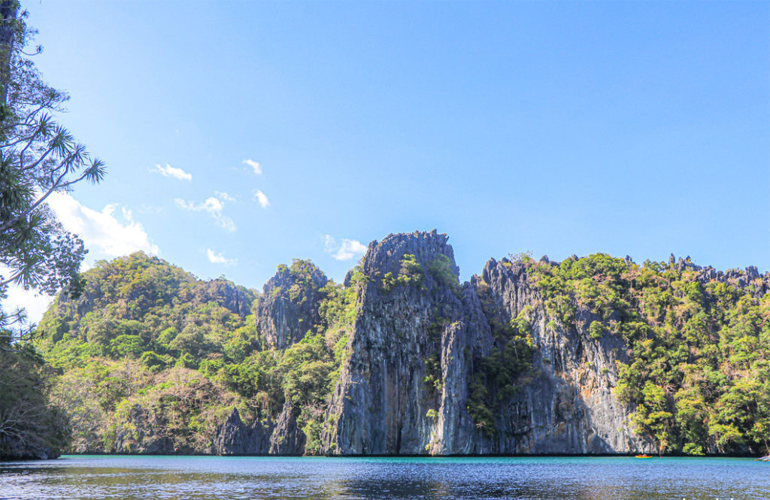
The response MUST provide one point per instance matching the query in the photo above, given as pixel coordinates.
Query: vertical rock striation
(289, 305)
(233, 437)
(404, 387)
(380, 404)
(416, 346)
(566, 404)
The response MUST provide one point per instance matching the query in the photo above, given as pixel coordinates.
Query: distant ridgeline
(591, 355)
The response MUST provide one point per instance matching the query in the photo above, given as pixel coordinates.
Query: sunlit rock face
(402, 360)
(404, 389)
(288, 308)
(565, 403)
(282, 437)
(233, 437)
(382, 403)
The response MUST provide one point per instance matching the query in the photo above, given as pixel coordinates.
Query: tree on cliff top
(38, 156)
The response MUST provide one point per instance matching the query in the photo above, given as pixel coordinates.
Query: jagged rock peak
(300, 270)
(288, 307)
(235, 298)
(233, 437)
(385, 256)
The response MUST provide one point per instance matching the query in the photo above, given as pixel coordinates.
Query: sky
(241, 135)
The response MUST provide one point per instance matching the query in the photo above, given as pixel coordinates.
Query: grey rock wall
(566, 406)
(233, 437)
(288, 307)
(410, 334)
(282, 437)
(382, 405)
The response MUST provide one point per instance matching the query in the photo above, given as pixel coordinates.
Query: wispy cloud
(213, 207)
(254, 165)
(169, 171)
(224, 196)
(218, 258)
(261, 198)
(345, 250)
(102, 231)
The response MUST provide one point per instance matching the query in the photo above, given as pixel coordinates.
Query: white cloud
(169, 171)
(261, 198)
(102, 233)
(35, 303)
(330, 244)
(254, 165)
(101, 230)
(214, 207)
(218, 258)
(224, 196)
(346, 250)
(350, 249)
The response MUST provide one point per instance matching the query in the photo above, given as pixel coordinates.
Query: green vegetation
(149, 359)
(442, 270)
(496, 377)
(150, 356)
(699, 370)
(411, 273)
(433, 378)
(29, 427)
(38, 157)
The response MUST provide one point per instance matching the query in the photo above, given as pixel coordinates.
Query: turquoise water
(225, 478)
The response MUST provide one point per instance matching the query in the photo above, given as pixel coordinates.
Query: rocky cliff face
(566, 404)
(236, 299)
(404, 330)
(282, 437)
(289, 305)
(417, 346)
(233, 437)
(526, 358)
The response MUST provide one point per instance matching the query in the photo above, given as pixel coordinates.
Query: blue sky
(632, 128)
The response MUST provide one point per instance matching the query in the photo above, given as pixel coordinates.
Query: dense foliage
(37, 158)
(150, 358)
(698, 370)
(410, 273)
(29, 428)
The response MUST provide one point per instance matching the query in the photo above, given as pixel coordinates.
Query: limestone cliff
(288, 307)
(593, 355)
(566, 404)
(384, 405)
(381, 403)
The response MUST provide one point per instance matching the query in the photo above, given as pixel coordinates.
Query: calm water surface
(225, 478)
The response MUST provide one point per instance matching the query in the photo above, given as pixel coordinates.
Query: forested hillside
(151, 359)
(590, 355)
(698, 369)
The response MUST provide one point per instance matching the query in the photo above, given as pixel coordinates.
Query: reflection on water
(225, 478)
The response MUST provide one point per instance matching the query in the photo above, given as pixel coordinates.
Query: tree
(38, 157)
(29, 427)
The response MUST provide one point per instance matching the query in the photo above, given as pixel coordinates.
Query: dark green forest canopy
(149, 349)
